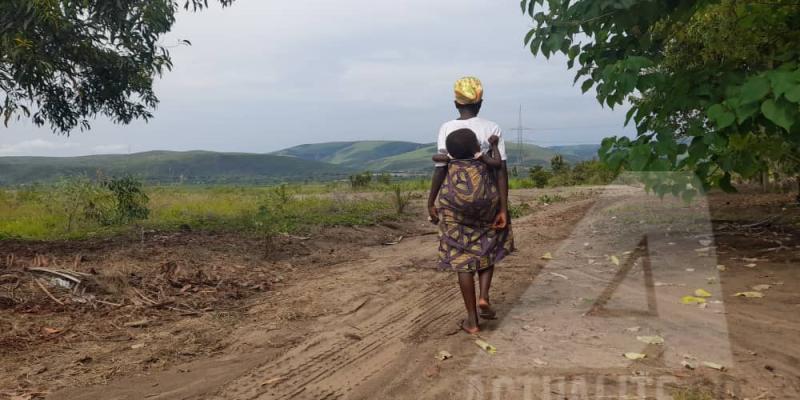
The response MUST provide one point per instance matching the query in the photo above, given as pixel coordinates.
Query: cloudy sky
(268, 74)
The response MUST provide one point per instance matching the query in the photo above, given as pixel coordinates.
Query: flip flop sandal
(486, 312)
(461, 326)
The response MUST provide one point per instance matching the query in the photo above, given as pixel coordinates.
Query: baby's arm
(492, 159)
(441, 158)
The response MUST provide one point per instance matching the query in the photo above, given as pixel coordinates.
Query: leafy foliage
(539, 176)
(130, 200)
(64, 62)
(714, 85)
(400, 199)
(362, 180)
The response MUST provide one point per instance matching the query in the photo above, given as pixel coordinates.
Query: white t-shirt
(483, 130)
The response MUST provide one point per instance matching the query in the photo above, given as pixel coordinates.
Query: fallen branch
(47, 292)
(108, 303)
(68, 275)
(759, 223)
(145, 298)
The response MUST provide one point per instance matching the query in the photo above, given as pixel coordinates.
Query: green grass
(30, 213)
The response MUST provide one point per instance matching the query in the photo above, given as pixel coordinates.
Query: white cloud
(262, 75)
(35, 147)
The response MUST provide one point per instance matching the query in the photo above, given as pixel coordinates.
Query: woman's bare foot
(469, 328)
(486, 309)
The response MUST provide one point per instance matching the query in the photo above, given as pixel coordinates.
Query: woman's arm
(439, 173)
(441, 158)
(501, 220)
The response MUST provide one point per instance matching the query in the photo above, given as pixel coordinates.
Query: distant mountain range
(321, 161)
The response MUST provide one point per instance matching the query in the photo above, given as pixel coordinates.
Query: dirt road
(369, 326)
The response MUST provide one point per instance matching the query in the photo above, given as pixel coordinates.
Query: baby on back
(463, 144)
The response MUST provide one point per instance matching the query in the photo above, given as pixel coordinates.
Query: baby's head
(462, 144)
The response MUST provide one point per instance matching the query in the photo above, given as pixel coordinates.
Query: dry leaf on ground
(692, 300)
(750, 294)
(650, 339)
(718, 367)
(443, 355)
(486, 346)
(635, 356)
(702, 293)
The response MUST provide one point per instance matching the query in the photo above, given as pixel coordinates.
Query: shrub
(130, 200)
(400, 199)
(539, 176)
(81, 200)
(361, 180)
(385, 178)
(550, 199)
(280, 195)
(519, 210)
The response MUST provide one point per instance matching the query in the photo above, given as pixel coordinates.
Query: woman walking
(472, 211)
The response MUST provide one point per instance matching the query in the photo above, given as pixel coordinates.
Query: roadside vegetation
(80, 207)
(562, 173)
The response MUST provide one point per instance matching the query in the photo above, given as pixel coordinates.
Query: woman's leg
(485, 279)
(467, 284)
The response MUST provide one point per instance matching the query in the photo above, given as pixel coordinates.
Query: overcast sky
(269, 74)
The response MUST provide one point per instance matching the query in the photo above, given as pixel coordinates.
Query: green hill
(170, 167)
(401, 156)
(322, 161)
(354, 154)
(579, 152)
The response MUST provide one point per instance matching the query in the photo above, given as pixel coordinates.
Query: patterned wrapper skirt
(468, 203)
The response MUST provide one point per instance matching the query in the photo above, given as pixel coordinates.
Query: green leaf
(754, 89)
(629, 115)
(745, 111)
(793, 94)
(587, 84)
(780, 112)
(529, 36)
(782, 82)
(721, 116)
(639, 157)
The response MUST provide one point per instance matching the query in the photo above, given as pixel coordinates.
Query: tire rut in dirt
(330, 367)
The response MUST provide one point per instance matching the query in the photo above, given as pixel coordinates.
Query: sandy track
(392, 305)
(369, 327)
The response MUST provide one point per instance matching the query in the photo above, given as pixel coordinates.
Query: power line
(520, 130)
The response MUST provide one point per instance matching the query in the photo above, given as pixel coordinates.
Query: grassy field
(78, 208)
(53, 212)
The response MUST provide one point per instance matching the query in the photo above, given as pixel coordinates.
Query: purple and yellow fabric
(468, 204)
(468, 90)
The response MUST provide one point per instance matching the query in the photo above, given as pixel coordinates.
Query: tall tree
(63, 62)
(714, 85)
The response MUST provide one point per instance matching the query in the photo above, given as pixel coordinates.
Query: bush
(385, 178)
(519, 210)
(550, 199)
(81, 200)
(539, 176)
(280, 195)
(130, 200)
(361, 180)
(400, 199)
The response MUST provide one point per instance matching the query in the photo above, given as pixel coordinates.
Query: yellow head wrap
(469, 90)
